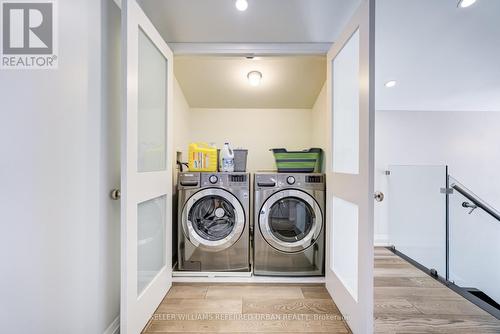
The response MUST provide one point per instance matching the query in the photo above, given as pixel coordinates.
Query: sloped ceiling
(221, 82)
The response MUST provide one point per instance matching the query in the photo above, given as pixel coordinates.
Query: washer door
(213, 219)
(290, 220)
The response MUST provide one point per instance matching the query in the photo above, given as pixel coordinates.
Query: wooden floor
(247, 308)
(406, 301)
(409, 301)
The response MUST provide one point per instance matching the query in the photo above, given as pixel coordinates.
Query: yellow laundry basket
(202, 158)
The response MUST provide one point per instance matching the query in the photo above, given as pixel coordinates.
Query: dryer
(213, 223)
(289, 224)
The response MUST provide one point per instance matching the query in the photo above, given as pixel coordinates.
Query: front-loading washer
(289, 221)
(213, 223)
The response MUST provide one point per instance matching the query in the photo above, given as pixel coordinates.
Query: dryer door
(213, 219)
(290, 220)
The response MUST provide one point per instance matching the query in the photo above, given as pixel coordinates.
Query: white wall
(110, 165)
(57, 251)
(468, 142)
(257, 130)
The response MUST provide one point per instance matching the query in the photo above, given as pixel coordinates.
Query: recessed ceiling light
(390, 83)
(254, 78)
(241, 5)
(466, 3)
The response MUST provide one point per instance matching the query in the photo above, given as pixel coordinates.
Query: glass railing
(417, 212)
(442, 226)
(474, 242)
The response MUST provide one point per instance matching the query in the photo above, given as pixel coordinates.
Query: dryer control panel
(290, 180)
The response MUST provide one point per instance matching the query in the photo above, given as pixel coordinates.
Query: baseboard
(211, 274)
(381, 240)
(114, 327)
(252, 279)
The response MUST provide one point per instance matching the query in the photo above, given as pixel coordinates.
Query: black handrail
(477, 201)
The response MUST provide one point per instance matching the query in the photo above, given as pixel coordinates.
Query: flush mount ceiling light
(241, 5)
(390, 83)
(466, 3)
(254, 78)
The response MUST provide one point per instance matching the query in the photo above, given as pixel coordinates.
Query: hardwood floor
(406, 301)
(247, 308)
(409, 301)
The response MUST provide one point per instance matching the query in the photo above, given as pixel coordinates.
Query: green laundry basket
(306, 161)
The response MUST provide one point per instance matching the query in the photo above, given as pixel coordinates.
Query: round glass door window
(291, 219)
(213, 217)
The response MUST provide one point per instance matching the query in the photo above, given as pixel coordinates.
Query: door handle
(115, 194)
(266, 184)
(379, 196)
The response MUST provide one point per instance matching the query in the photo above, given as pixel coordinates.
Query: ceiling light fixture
(390, 83)
(241, 5)
(466, 3)
(254, 78)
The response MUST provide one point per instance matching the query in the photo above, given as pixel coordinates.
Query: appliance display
(289, 227)
(213, 221)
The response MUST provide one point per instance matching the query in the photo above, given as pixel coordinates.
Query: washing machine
(213, 223)
(289, 237)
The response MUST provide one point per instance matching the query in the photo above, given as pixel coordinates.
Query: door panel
(152, 85)
(146, 185)
(344, 262)
(346, 105)
(151, 218)
(350, 160)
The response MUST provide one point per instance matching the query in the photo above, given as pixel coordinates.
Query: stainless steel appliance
(213, 222)
(289, 229)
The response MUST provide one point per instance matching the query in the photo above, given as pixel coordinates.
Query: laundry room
(260, 106)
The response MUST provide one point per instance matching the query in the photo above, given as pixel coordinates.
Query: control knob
(213, 179)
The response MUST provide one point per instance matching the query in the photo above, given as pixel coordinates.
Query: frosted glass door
(349, 169)
(152, 105)
(146, 203)
(346, 106)
(151, 218)
(417, 214)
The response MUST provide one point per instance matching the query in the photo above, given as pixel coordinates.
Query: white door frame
(138, 187)
(354, 188)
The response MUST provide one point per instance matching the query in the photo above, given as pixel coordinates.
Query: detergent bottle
(226, 159)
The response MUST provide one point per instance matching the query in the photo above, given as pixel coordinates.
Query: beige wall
(257, 130)
(182, 135)
(319, 130)
(319, 127)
